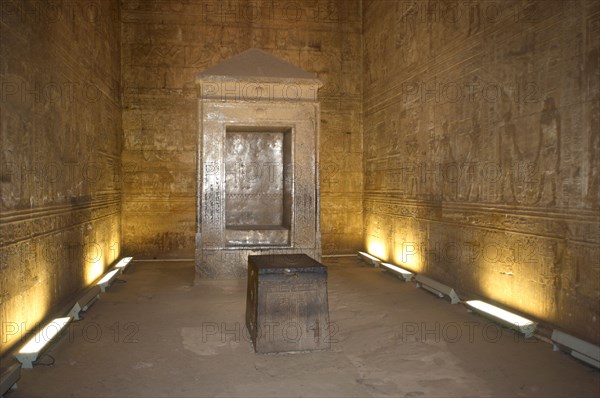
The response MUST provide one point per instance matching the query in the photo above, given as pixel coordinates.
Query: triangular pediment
(255, 64)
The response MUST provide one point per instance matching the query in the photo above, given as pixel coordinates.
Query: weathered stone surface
(287, 308)
(165, 43)
(60, 162)
(481, 150)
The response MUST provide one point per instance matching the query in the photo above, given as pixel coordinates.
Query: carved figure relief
(509, 157)
(548, 155)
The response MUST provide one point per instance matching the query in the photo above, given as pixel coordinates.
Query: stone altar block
(258, 137)
(286, 304)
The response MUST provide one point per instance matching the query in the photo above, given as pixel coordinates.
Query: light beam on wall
(437, 288)
(30, 352)
(369, 259)
(580, 349)
(95, 262)
(503, 317)
(400, 272)
(376, 247)
(406, 252)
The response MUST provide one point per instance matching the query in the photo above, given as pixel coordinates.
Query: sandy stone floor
(164, 333)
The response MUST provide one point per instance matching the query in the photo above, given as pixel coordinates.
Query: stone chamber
(457, 139)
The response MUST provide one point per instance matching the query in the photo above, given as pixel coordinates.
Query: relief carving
(548, 155)
(509, 156)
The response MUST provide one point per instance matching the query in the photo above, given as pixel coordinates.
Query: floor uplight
(400, 272)
(30, 352)
(503, 317)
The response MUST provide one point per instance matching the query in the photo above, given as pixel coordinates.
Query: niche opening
(258, 185)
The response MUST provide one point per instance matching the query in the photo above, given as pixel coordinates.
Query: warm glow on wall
(511, 280)
(523, 295)
(38, 299)
(32, 305)
(377, 248)
(24, 311)
(114, 251)
(406, 253)
(377, 235)
(94, 267)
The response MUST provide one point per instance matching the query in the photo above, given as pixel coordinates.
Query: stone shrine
(258, 134)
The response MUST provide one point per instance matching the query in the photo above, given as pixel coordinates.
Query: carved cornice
(25, 224)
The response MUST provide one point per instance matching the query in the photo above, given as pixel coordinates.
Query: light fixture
(85, 302)
(9, 377)
(580, 349)
(503, 317)
(30, 352)
(108, 279)
(369, 259)
(123, 263)
(400, 272)
(437, 288)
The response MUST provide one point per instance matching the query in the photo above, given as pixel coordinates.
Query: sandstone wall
(61, 141)
(481, 139)
(166, 43)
